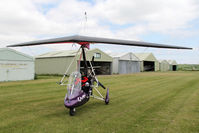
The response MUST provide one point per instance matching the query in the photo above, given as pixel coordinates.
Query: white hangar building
(125, 63)
(15, 65)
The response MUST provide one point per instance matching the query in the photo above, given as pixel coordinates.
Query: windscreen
(74, 86)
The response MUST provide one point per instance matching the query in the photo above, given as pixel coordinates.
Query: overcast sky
(174, 22)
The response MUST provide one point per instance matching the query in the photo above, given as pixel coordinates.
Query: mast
(84, 59)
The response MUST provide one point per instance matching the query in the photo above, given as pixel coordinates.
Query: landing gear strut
(107, 97)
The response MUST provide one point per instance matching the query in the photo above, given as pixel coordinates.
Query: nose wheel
(72, 112)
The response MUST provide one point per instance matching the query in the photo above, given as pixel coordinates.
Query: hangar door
(149, 66)
(174, 67)
(101, 68)
(126, 66)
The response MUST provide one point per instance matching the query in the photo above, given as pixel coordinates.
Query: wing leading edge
(87, 39)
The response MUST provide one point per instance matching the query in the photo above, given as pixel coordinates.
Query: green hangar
(164, 65)
(57, 62)
(173, 65)
(148, 62)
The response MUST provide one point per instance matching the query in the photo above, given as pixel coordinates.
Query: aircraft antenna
(85, 15)
(83, 24)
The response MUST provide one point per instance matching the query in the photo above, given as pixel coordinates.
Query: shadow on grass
(80, 111)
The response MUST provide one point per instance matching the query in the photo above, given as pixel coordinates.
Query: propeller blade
(87, 39)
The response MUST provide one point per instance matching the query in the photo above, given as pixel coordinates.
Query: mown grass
(145, 102)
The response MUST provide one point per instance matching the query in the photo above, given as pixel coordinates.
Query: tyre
(106, 101)
(72, 112)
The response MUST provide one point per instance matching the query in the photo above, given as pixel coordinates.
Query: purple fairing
(75, 95)
(78, 99)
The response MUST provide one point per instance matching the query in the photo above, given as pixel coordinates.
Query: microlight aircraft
(80, 85)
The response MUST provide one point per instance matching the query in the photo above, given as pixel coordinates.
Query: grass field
(145, 102)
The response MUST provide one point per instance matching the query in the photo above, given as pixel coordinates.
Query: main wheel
(72, 112)
(106, 101)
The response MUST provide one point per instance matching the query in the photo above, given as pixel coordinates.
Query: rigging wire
(62, 80)
(145, 49)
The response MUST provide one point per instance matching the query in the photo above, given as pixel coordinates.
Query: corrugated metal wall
(16, 70)
(115, 65)
(164, 66)
(54, 65)
(157, 67)
(15, 65)
(128, 67)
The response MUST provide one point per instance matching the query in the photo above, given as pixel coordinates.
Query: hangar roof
(7, 54)
(163, 61)
(125, 56)
(72, 53)
(172, 62)
(146, 56)
(63, 53)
